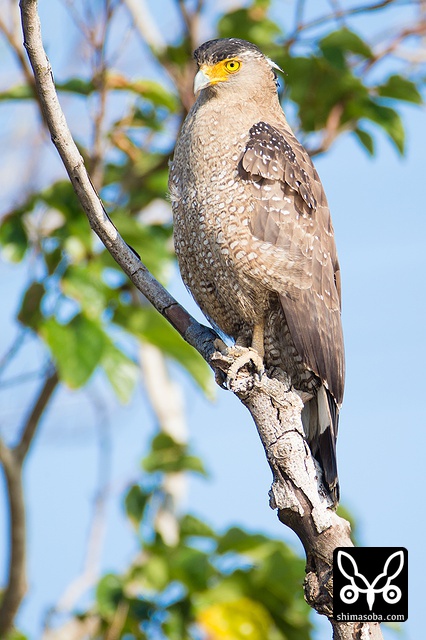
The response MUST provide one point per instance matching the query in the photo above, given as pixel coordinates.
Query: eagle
(254, 238)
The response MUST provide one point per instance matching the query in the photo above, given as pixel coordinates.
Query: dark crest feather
(214, 51)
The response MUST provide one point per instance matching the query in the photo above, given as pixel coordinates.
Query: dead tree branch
(12, 460)
(297, 491)
(16, 584)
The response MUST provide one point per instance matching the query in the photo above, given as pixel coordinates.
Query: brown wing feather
(291, 212)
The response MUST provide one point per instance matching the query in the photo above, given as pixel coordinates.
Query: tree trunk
(297, 490)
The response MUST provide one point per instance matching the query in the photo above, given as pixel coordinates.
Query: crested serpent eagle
(253, 234)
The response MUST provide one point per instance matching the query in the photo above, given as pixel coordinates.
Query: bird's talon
(244, 358)
(220, 346)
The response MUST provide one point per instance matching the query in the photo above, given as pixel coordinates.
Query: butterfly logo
(359, 584)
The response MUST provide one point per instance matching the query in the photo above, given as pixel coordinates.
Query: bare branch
(331, 130)
(13, 349)
(16, 585)
(15, 44)
(297, 491)
(98, 42)
(171, 420)
(191, 20)
(145, 24)
(344, 13)
(12, 461)
(97, 526)
(30, 426)
(418, 29)
(298, 14)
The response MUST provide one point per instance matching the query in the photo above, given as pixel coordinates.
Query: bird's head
(231, 63)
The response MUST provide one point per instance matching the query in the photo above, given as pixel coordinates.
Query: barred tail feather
(320, 419)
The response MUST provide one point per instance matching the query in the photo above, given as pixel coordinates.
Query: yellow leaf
(241, 619)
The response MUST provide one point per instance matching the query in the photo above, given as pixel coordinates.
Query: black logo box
(370, 582)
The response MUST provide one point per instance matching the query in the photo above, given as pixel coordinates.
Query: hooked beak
(201, 81)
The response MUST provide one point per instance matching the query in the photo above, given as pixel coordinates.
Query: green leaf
(400, 88)
(336, 57)
(389, 120)
(13, 237)
(148, 325)
(175, 625)
(190, 526)
(365, 139)
(53, 259)
(148, 89)
(135, 502)
(151, 242)
(346, 40)
(140, 609)
(192, 463)
(249, 24)
(164, 442)
(76, 347)
(316, 86)
(155, 572)
(276, 561)
(61, 196)
(75, 233)
(240, 541)
(30, 313)
(76, 85)
(156, 93)
(14, 634)
(191, 567)
(19, 92)
(84, 284)
(121, 371)
(109, 593)
(169, 456)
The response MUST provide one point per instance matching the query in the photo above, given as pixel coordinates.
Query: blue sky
(379, 215)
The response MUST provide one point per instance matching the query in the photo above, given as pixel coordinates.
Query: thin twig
(145, 25)
(30, 426)
(317, 22)
(331, 130)
(21, 379)
(416, 30)
(13, 350)
(16, 47)
(191, 20)
(339, 13)
(298, 15)
(99, 73)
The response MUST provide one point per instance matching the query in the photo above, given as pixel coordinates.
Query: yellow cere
(221, 71)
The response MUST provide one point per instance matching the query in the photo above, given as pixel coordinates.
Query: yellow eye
(232, 66)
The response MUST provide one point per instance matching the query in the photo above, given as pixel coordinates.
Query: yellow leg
(257, 341)
(253, 354)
